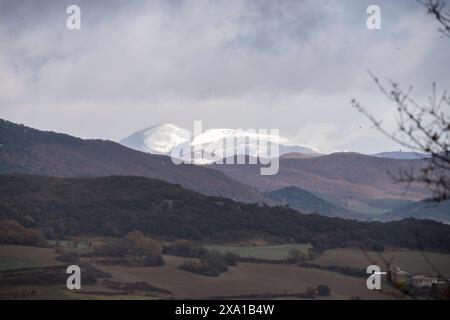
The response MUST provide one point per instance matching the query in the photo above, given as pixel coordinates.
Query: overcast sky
(293, 65)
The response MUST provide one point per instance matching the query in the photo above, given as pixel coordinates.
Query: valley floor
(259, 280)
(245, 279)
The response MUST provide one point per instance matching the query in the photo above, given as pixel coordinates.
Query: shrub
(323, 290)
(111, 248)
(196, 266)
(297, 256)
(216, 261)
(313, 253)
(231, 258)
(147, 250)
(59, 249)
(153, 260)
(310, 292)
(186, 248)
(211, 266)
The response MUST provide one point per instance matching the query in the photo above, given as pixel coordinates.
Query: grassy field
(279, 252)
(13, 255)
(8, 264)
(244, 279)
(18, 257)
(36, 293)
(411, 261)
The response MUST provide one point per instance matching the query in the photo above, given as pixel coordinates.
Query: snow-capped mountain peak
(161, 139)
(213, 135)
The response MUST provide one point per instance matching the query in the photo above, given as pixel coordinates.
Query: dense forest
(116, 205)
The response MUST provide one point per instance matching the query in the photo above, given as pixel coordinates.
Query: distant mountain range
(353, 181)
(162, 139)
(403, 155)
(31, 151)
(347, 185)
(308, 202)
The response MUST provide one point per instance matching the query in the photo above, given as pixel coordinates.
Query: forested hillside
(116, 205)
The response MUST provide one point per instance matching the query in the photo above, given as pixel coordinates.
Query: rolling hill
(116, 205)
(308, 202)
(421, 210)
(402, 155)
(31, 151)
(350, 180)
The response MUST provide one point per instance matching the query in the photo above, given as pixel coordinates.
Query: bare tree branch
(438, 9)
(423, 128)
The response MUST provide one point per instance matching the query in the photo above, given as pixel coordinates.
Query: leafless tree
(438, 9)
(422, 127)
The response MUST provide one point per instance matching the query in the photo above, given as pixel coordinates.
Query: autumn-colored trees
(186, 248)
(134, 244)
(148, 249)
(212, 265)
(12, 232)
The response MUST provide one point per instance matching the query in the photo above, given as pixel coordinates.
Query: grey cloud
(285, 64)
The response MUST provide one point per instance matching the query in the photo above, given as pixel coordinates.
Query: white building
(421, 281)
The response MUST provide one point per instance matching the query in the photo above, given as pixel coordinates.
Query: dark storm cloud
(292, 65)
